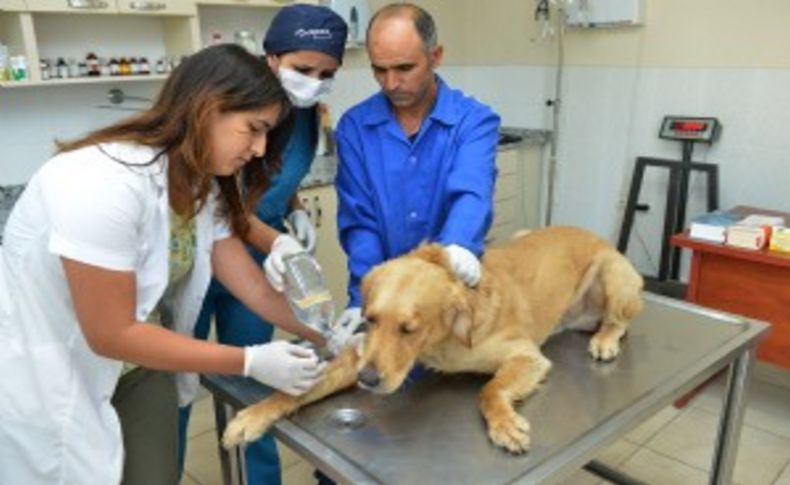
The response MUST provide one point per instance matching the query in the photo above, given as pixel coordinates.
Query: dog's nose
(368, 377)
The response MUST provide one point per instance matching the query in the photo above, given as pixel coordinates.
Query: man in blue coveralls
(417, 159)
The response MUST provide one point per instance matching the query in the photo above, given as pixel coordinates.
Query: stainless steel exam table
(431, 432)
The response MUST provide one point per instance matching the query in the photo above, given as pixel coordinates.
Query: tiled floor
(674, 447)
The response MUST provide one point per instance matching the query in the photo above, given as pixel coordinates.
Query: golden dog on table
(417, 311)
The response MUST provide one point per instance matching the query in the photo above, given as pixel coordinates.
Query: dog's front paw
(604, 346)
(248, 425)
(510, 432)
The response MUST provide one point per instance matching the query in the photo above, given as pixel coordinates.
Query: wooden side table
(751, 283)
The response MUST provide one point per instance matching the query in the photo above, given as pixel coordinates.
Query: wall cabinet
(50, 29)
(157, 7)
(12, 5)
(252, 3)
(74, 6)
(139, 7)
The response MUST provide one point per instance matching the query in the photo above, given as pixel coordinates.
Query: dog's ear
(458, 317)
(433, 253)
(368, 282)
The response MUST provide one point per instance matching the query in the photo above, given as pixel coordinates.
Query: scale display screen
(690, 128)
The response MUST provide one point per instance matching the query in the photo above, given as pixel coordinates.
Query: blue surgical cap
(306, 27)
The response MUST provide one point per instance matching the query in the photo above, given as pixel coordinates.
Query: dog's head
(411, 303)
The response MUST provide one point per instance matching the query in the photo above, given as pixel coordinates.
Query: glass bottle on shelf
(18, 68)
(215, 38)
(74, 69)
(124, 67)
(115, 68)
(44, 66)
(104, 67)
(145, 68)
(246, 39)
(4, 62)
(92, 62)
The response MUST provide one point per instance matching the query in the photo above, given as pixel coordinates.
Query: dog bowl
(347, 418)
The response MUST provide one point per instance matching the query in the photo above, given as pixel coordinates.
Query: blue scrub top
(394, 193)
(274, 205)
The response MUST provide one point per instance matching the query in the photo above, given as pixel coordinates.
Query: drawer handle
(87, 4)
(147, 6)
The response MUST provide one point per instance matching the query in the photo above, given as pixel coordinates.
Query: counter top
(511, 137)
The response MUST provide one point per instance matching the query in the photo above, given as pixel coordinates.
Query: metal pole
(731, 419)
(555, 104)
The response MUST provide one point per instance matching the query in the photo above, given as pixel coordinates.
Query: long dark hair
(219, 79)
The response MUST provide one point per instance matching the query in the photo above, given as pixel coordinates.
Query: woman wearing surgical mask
(304, 46)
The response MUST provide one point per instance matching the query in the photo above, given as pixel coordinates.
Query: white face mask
(304, 91)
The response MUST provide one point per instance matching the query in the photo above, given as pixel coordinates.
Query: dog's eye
(406, 329)
(371, 320)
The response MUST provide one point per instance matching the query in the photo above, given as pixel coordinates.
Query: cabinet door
(158, 7)
(73, 6)
(12, 5)
(507, 198)
(532, 177)
(321, 205)
(255, 3)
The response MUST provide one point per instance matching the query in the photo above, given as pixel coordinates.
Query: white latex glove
(465, 264)
(273, 266)
(344, 328)
(304, 229)
(289, 368)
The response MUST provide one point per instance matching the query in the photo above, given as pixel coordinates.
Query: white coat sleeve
(95, 214)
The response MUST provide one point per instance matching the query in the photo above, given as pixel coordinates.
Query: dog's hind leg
(622, 287)
(250, 423)
(516, 379)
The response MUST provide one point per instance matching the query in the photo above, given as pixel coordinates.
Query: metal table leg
(731, 419)
(231, 462)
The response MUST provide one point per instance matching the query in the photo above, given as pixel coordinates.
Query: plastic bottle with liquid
(307, 293)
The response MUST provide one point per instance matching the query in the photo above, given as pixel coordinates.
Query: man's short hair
(423, 22)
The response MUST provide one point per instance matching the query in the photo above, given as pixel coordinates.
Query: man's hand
(289, 368)
(304, 229)
(343, 331)
(464, 264)
(284, 245)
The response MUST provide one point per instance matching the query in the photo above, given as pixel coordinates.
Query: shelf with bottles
(222, 21)
(83, 80)
(37, 30)
(42, 35)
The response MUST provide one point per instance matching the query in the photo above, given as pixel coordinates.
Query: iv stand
(555, 109)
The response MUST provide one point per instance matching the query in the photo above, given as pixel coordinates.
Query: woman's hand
(289, 368)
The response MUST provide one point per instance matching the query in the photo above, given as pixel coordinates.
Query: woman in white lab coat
(124, 227)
